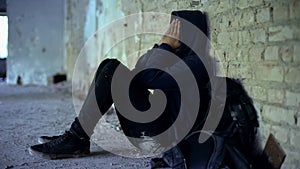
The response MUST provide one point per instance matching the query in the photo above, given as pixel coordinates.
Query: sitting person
(154, 70)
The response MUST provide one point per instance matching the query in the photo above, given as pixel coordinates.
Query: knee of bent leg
(104, 64)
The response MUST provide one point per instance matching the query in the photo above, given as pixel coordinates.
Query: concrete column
(36, 40)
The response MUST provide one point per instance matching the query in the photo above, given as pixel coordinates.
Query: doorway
(3, 45)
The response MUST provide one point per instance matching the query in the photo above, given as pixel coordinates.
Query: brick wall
(257, 41)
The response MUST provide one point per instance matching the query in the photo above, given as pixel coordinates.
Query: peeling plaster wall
(35, 42)
(84, 20)
(75, 18)
(99, 15)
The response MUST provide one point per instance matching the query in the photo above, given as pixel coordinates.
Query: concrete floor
(27, 112)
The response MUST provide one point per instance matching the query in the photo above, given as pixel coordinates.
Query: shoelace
(59, 140)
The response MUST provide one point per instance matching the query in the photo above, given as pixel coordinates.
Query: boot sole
(57, 156)
(42, 141)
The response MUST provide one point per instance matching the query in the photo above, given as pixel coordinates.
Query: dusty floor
(27, 112)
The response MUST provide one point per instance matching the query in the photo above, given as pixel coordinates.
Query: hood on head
(194, 32)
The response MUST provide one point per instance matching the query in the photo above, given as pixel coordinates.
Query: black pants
(99, 100)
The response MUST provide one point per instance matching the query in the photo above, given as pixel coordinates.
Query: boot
(73, 143)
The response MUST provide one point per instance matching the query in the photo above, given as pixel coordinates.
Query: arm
(163, 79)
(160, 56)
(169, 42)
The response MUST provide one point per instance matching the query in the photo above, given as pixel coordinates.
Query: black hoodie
(193, 33)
